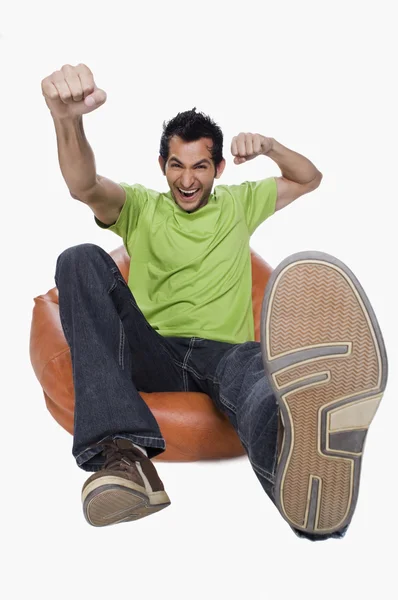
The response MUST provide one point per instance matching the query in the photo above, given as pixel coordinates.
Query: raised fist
(247, 146)
(71, 92)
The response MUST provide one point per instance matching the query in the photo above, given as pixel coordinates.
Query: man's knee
(75, 254)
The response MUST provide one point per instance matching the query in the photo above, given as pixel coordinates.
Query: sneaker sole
(325, 359)
(112, 500)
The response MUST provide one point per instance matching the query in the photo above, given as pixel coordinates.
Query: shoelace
(117, 458)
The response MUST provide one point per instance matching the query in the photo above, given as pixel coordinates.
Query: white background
(317, 76)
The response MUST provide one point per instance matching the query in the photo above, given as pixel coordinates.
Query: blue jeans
(116, 353)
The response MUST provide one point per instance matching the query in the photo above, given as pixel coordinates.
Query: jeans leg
(245, 395)
(115, 352)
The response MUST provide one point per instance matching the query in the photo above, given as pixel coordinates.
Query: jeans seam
(184, 365)
(121, 344)
(116, 274)
(262, 472)
(113, 286)
(228, 404)
(192, 370)
(146, 437)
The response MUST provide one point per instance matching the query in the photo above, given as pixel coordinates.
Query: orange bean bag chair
(190, 424)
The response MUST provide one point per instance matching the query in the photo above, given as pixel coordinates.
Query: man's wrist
(77, 119)
(271, 144)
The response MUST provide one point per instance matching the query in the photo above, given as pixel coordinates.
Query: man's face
(190, 168)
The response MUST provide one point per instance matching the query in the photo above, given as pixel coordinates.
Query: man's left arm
(299, 175)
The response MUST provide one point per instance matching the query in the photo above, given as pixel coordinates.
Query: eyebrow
(204, 160)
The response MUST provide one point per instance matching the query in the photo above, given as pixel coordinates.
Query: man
(185, 322)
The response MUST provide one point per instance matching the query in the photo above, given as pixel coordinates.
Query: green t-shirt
(190, 273)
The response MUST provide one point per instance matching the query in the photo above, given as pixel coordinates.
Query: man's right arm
(71, 93)
(77, 162)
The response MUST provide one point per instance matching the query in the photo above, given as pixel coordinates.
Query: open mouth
(188, 195)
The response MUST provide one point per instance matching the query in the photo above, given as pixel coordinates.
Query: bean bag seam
(52, 358)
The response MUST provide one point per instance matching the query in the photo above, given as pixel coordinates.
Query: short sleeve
(136, 198)
(258, 199)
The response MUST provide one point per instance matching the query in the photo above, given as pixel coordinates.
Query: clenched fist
(71, 92)
(247, 146)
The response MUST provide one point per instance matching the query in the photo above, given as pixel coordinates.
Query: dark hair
(191, 126)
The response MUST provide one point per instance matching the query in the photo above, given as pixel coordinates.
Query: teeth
(190, 192)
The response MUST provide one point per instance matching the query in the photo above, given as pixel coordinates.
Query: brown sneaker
(127, 487)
